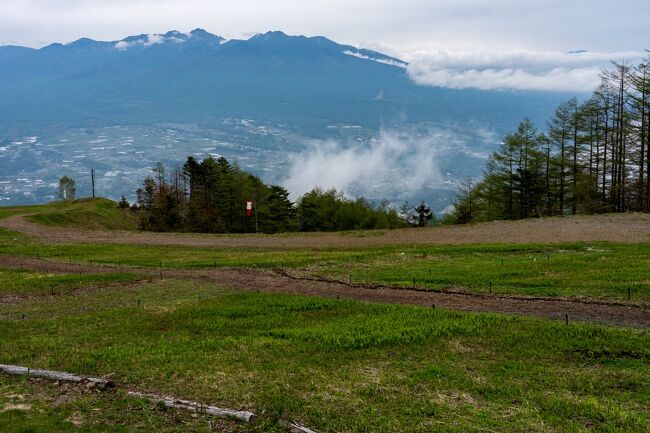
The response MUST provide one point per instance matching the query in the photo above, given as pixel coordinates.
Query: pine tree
(559, 133)
(423, 214)
(123, 203)
(67, 189)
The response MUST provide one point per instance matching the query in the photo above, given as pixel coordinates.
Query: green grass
(99, 213)
(7, 211)
(45, 407)
(87, 213)
(598, 270)
(335, 365)
(30, 283)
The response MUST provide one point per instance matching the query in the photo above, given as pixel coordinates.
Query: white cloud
(364, 57)
(515, 69)
(485, 58)
(393, 165)
(122, 45)
(153, 40)
(176, 40)
(557, 79)
(148, 41)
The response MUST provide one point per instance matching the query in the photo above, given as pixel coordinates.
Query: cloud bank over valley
(486, 69)
(396, 165)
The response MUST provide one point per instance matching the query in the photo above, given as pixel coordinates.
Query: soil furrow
(247, 279)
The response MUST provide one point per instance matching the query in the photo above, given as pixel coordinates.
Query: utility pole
(92, 178)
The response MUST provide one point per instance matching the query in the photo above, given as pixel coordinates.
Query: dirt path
(277, 282)
(615, 227)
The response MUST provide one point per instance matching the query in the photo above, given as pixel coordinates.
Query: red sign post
(249, 211)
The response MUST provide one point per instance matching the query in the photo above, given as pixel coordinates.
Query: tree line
(593, 157)
(211, 196)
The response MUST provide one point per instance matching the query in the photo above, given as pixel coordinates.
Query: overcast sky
(448, 42)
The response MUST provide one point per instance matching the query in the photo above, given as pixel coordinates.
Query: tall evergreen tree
(559, 134)
(67, 189)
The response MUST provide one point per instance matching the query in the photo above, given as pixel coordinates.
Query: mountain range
(200, 76)
(298, 88)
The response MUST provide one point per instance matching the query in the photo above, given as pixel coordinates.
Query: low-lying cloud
(517, 69)
(149, 40)
(380, 60)
(393, 165)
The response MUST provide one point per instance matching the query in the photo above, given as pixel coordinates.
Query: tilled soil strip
(585, 228)
(247, 279)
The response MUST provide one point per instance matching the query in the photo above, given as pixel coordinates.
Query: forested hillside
(214, 196)
(592, 157)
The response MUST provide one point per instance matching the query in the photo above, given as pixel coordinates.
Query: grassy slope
(335, 365)
(34, 284)
(595, 270)
(45, 407)
(98, 213)
(598, 270)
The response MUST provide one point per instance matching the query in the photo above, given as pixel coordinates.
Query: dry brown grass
(611, 227)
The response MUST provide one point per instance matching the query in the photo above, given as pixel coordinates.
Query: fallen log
(196, 407)
(56, 375)
(296, 428)
(171, 402)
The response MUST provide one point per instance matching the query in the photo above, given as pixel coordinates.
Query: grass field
(98, 213)
(27, 283)
(335, 365)
(45, 407)
(599, 270)
(589, 270)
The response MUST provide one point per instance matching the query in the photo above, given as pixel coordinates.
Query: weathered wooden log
(296, 428)
(56, 375)
(196, 407)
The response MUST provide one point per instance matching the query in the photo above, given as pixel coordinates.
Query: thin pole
(92, 177)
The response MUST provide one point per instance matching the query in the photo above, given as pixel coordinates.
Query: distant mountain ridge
(201, 77)
(202, 37)
(268, 101)
(58, 59)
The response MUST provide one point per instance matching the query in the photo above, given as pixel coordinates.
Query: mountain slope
(274, 103)
(199, 77)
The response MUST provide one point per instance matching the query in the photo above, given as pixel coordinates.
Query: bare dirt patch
(280, 282)
(613, 227)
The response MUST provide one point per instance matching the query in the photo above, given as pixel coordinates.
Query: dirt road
(279, 282)
(615, 227)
